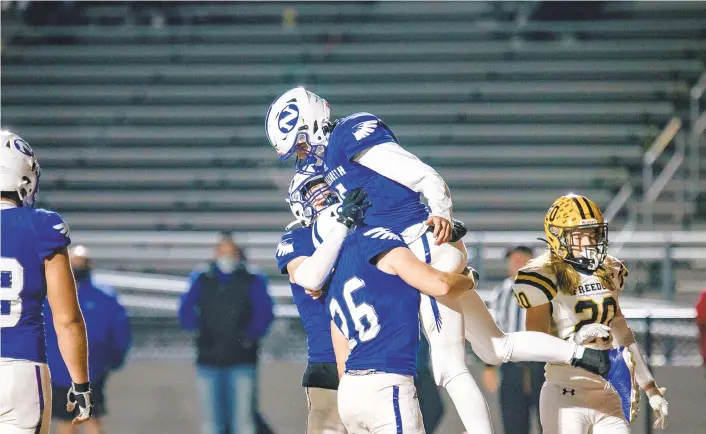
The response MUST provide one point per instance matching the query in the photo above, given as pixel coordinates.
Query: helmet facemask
(312, 197)
(310, 154)
(584, 246)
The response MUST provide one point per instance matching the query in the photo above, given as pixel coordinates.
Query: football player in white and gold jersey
(573, 289)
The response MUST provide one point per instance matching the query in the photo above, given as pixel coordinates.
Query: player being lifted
(315, 208)
(575, 284)
(360, 151)
(34, 265)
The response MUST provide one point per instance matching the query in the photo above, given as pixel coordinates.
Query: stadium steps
(604, 91)
(362, 73)
(352, 53)
(449, 155)
(178, 110)
(230, 115)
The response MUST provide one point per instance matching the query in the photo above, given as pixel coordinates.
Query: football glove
(459, 230)
(590, 333)
(353, 208)
(80, 394)
(468, 271)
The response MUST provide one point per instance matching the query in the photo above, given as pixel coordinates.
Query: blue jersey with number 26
(27, 237)
(376, 311)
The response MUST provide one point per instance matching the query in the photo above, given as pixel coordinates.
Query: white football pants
(323, 415)
(443, 325)
(25, 397)
(379, 403)
(573, 410)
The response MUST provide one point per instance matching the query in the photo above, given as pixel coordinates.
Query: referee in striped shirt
(520, 383)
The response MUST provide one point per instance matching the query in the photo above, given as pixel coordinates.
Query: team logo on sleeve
(382, 233)
(285, 247)
(63, 228)
(364, 129)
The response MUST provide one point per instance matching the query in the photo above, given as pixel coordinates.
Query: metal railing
(659, 252)
(698, 126)
(652, 187)
(689, 149)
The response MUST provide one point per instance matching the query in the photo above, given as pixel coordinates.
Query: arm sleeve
(313, 272)
(392, 161)
(122, 336)
(188, 315)
(262, 309)
(532, 288)
(52, 234)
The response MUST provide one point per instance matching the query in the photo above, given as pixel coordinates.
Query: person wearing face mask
(230, 309)
(108, 331)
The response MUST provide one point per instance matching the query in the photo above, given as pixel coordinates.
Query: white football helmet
(309, 195)
(298, 117)
(19, 168)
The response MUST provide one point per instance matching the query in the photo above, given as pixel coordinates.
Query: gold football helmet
(577, 232)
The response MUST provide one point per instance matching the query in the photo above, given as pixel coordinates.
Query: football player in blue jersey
(34, 266)
(373, 299)
(312, 202)
(360, 151)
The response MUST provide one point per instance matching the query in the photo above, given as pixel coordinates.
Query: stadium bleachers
(509, 120)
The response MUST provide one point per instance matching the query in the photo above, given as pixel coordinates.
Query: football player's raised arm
(312, 272)
(340, 348)
(537, 319)
(428, 280)
(68, 319)
(394, 162)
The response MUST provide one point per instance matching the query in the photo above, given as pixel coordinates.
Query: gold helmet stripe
(589, 207)
(578, 205)
(538, 281)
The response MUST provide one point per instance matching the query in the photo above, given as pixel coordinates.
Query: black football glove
(459, 231)
(468, 271)
(353, 208)
(80, 394)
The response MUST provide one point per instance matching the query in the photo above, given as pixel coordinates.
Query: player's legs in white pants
(490, 343)
(493, 346)
(323, 415)
(567, 409)
(379, 403)
(25, 397)
(444, 329)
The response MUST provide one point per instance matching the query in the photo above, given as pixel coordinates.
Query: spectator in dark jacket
(230, 309)
(108, 330)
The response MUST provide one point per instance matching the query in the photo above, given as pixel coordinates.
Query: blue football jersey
(376, 311)
(317, 323)
(393, 205)
(27, 236)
